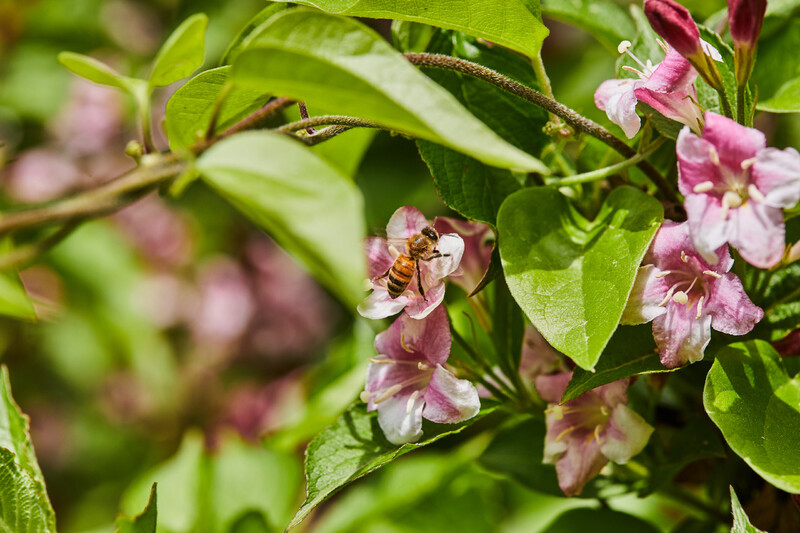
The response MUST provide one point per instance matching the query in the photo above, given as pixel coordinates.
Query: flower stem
(741, 118)
(602, 173)
(506, 392)
(325, 120)
(572, 118)
(21, 256)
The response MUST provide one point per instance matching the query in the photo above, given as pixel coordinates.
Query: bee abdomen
(400, 275)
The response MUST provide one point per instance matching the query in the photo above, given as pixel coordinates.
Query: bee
(419, 247)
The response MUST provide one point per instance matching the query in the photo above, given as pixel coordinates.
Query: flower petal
(734, 142)
(708, 229)
(614, 393)
(551, 388)
(380, 305)
(448, 399)
(626, 434)
(378, 257)
(731, 310)
(451, 246)
(405, 222)
(581, 462)
(617, 99)
(757, 231)
(776, 173)
(418, 308)
(399, 423)
(680, 336)
(694, 162)
(647, 293)
(381, 376)
(430, 336)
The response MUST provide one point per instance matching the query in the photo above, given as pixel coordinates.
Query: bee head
(430, 233)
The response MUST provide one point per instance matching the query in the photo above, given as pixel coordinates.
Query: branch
(25, 254)
(569, 116)
(326, 120)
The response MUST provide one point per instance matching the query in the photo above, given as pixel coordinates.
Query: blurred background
(177, 342)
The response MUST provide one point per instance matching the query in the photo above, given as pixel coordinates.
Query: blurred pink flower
(478, 243)
(407, 381)
(42, 174)
(381, 253)
(585, 433)
(92, 120)
(161, 233)
(225, 305)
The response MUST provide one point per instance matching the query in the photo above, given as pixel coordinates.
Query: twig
(23, 255)
(569, 116)
(326, 120)
(601, 173)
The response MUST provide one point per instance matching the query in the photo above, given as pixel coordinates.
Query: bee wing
(398, 244)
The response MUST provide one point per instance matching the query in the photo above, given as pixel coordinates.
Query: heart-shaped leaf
(756, 405)
(572, 277)
(182, 53)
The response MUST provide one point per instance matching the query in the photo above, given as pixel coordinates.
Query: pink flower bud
(745, 18)
(675, 25)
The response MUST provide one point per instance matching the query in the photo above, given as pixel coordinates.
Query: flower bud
(745, 18)
(675, 25)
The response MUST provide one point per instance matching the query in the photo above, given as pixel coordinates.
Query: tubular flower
(668, 88)
(745, 18)
(735, 189)
(584, 434)
(478, 244)
(685, 297)
(407, 381)
(405, 223)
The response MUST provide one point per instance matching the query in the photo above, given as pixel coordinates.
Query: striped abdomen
(400, 275)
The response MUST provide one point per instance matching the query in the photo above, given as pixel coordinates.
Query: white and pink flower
(584, 434)
(478, 243)
(735, 189)
(685, 296)
(381, 253)
(408, 381)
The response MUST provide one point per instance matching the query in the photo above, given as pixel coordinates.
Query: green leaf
(510, 23)
(774, 67)
(338, 63)
(756, 405)
(411, 36)
(516, 452)
(308, 206)
(466, 185)
(353, 447)
(785, 100)
(189, 110)
(630, 351)
(93, 70)
(606, 20)
(145, 522)
(239, 41)
(726, 67)
(570, 276)
(24, 504)
(601, 520)
(741, 523)
(182, 53)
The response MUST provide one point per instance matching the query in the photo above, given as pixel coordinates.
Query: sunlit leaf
(182, 53)
(145, 522)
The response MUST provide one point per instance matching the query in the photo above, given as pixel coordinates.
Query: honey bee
(419, 247)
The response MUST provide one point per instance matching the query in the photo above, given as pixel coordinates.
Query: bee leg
(382, 275)
(435, 255)
(419, 283)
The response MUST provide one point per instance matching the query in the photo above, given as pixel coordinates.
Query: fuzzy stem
(601, 173)
(326, 120)
(569, 116)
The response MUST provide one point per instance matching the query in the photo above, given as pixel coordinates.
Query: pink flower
(685, 297)
(478, 243)
(674, 24)
(538, 357)
(585, 433)
(381, 253)
(407, 380)
(735, 189)
(668, 88)
(745, 18)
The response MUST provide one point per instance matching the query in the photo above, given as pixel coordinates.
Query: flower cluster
(409, 379)
(735, 187)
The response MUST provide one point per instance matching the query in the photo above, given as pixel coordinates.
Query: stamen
(623, 47)
(556, 410)
(663, 45)
(411, 400)
(712, 274)
(663, 274)
(754, 193)
(703, 187)
(667, 298)
(403, 343)
(565, 433)
(747, 163)
(683, 257)
(423, 366)
(699, 307)
(731, 199)
(386, 394)
(680, 297)
(380, 361)
(713, 155)
(365, 395)
(597, 434)
(638, 72)
(691, 285)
